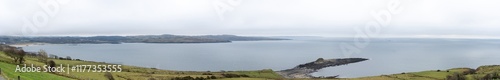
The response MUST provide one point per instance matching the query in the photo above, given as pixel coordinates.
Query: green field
(128, 73)
(8, 70)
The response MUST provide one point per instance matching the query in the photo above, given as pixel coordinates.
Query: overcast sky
(418, 18)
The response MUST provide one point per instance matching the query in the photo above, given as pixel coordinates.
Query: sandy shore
(27, 44)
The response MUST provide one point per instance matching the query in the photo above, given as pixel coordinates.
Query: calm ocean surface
(387, 56)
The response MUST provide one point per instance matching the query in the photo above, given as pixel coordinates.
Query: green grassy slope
(8, 70)
(141, 73)
(129, 72)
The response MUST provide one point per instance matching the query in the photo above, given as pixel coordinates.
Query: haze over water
(386, 55)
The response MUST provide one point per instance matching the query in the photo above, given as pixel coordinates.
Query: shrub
(491, 76)
(68, 58)
(109, 76)
(213, 77)
(189, 78)
(243, 75)
(469, 71)
(456, 76)
(51, 63)
(151, 79)
(234, 75)
(476, 77)
(42, 56)
(487, 77)
(495, 75)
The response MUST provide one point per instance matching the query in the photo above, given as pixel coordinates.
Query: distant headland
(165, 38)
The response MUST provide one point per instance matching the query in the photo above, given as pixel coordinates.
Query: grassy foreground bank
(8, 66)
(8, 71)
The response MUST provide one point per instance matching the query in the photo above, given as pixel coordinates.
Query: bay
(386, 55)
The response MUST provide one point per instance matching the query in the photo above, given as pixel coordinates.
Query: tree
(2, 47)
(20, 55)
(491, 76)
(42, 56)
(17, 54)
(51, 63)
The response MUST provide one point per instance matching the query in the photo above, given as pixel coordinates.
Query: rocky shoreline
(305, 70)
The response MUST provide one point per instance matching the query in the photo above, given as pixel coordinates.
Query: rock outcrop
(305, 70)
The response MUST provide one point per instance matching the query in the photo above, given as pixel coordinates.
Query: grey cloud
(257, 17)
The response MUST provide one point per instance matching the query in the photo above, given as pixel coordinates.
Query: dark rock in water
(305, 70)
